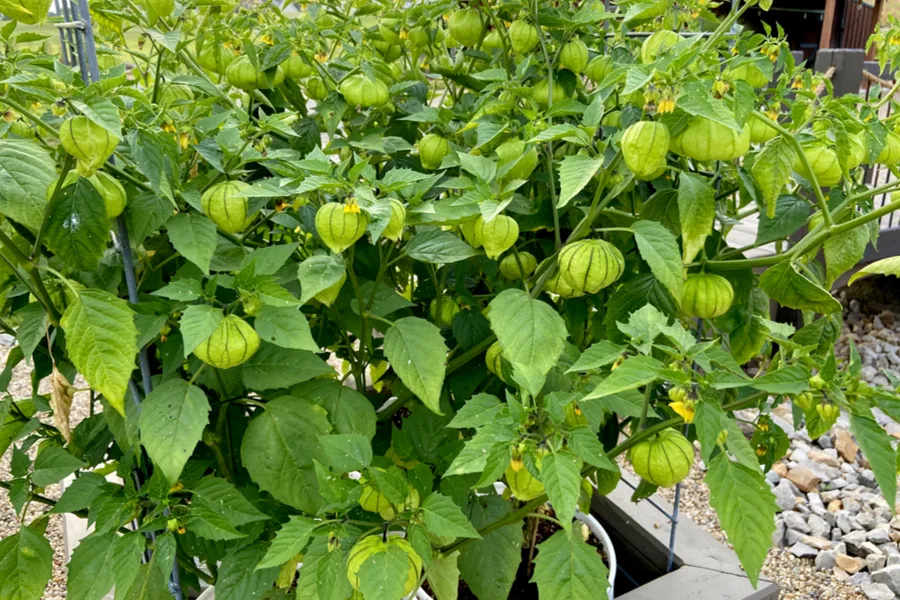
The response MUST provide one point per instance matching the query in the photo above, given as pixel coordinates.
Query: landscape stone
(845, 445)
(876, 562)
(879, 536)
(784, 495)
(860, 579)
(801, 550)
(877, 591)
(825, 560)
(889, 576)
(792, 536)
(819, 543)
(824, 458)
(854, 541)
(818, 527)
(804, 479)
(793, 520)
(849, 564)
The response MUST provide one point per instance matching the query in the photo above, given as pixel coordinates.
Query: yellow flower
(666, 105)
(404, 34)
(321, 57)
(184, 140)
(685, 410)
(351, 207)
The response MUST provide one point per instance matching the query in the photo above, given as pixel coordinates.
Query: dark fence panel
(858, 24)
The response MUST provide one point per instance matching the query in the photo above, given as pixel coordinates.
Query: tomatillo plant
(330, 278)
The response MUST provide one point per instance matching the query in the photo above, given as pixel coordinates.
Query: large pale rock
(795, 521)
(825, 561)
(818, 527)
(876, 562)
(819, 543)
(849, 564)
(877, 591)
(889, 576)
(801, 550)
(854, 541)
(845, 445)
(804, 479)
(824, 458)
(784, 495)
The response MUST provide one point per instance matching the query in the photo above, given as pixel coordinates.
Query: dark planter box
(703, 568)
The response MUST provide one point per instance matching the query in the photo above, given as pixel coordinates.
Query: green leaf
(695, 100)
(323, 575)
(268, 260)
(102, 342)
(843, 251)
(289, 541)
(53, 464)
(561, 476)
(784, 284)
(530, 332)
(589, 449)
(103, 112)
(172, 420)
(27, 171)
(383, 575)
(443, 576)
(746, 509)
(197, 323)
(206, 523)
(481, 167)
(659, 249)
(567, 568)
(78, 228)
(772, 170)
(575, 172)
(791, 213)
(439, 247)
(100, 561)
(444, 518)
(318, 273)
(479, 410)
(238, 577)
(183, 290)
(32, 327)
(272, 367)
(81, 492)
(222, 497)
(878, 450)
(346, 452)
(598, 355)
(633, 295)
(711, 421)
(885, 266)
(787, 380)
(417, 353)
(489, 565)
(748, 337)
(194, 237)
(279, 447)
(26, 565)
(631, 374)
(348, 410)
(285, 327)
(697, 211)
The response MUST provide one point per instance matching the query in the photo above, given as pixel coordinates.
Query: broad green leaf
(632, 296)
(318, 273)
(878, 450)
(748, 337)
(444, 518)
(772, 170)
(530, 332)
(78, 228)
(479, 410)
(323, 575)
(239, 579)
(843, 251)
(100, 561)
(272, 367)
(746, 509)
(787, 380)
(481, 167)
(346, 452)
(383, 575)
(102, 342)
(279, 447)
(589, 449)
(575, 172)
(183, 290)
(285, 327)
(598, 355)
(221, 496)
(443, 576)
(32, 328)
(172, 420)
(52, 464)
(659, 249)
(711, 421)
(197, 323)
(206, 523)
(439, 247)
(272, 294)
(81, 492)
(489, 565)
(631, 374)
(697, 211)
(268, 260)
(784, 284)
(696, 101)
(194, 237)
(417, 353)
(289, 541)
(567, 568)
(103, 112)
(26, 564)
(348, 410)
(791, 213)
(885, 266)
(26, 173)
(561, 476)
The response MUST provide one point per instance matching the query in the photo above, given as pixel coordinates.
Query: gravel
(20, 387)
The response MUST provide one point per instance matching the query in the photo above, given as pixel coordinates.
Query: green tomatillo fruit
(706, 295)
(90, 143)
(523, 36)
(394, 229)
(657, 44)
(112, 192)
(664, 459)
(497, 235)
(444, 317)
(360, 90)
(330, 294)
(371, 545)
(645, 145)
(751, 73)
(523, 161)
(215, 57)
(295, 67)
(824, 164)
(599, 68)
(574, 56)
(232, 343)
(243, 75)
(494, 361)
(509, 266)
(467, 27)
(432, 150)
(158, 9)
(222, 204)
(705, 140)
(340, 225)
(590, 265)
(760, 132)
(541, 93)
(890, 153)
